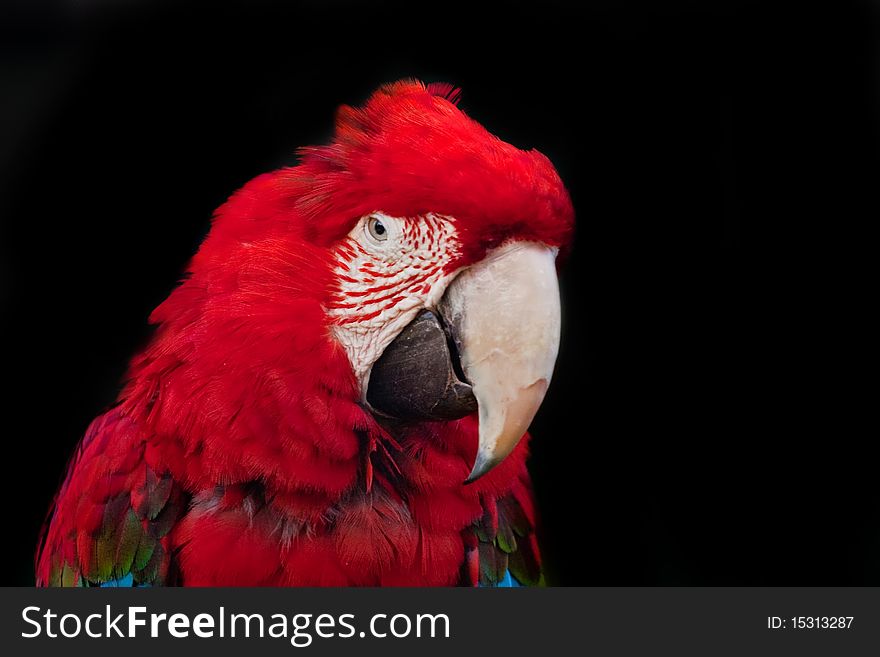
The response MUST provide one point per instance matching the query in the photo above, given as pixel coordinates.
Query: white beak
(505, 318)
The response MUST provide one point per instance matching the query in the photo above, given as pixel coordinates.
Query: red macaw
(338, 391)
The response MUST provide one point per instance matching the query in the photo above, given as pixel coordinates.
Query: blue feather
(508, 581)
(123, 582)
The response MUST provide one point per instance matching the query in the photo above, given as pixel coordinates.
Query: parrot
(339, 389)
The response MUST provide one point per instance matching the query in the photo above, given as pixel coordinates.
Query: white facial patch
(388, 269)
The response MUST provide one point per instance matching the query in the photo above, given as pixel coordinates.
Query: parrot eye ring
(377, 229)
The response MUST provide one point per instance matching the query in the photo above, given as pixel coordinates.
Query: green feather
(150, 572)
(165, 520)
(69, 576)
(104, 555)
(524, 566)
(129, 537)
(493, 564)
(511, 514)
(144, 553)
(55, 571)
(505, 538)
(158, 496)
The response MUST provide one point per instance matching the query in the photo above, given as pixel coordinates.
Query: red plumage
(238, 449)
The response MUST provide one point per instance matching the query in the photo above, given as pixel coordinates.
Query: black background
(703, 426)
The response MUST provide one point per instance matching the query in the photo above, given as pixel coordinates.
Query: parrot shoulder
(110, 521)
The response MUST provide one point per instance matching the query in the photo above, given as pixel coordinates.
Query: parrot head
(423, 246)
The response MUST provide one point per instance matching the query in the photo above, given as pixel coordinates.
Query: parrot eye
(377, 229)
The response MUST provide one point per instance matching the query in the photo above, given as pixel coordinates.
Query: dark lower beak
(418, 377)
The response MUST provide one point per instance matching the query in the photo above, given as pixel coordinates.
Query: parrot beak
(505, 319)
(490, 345)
